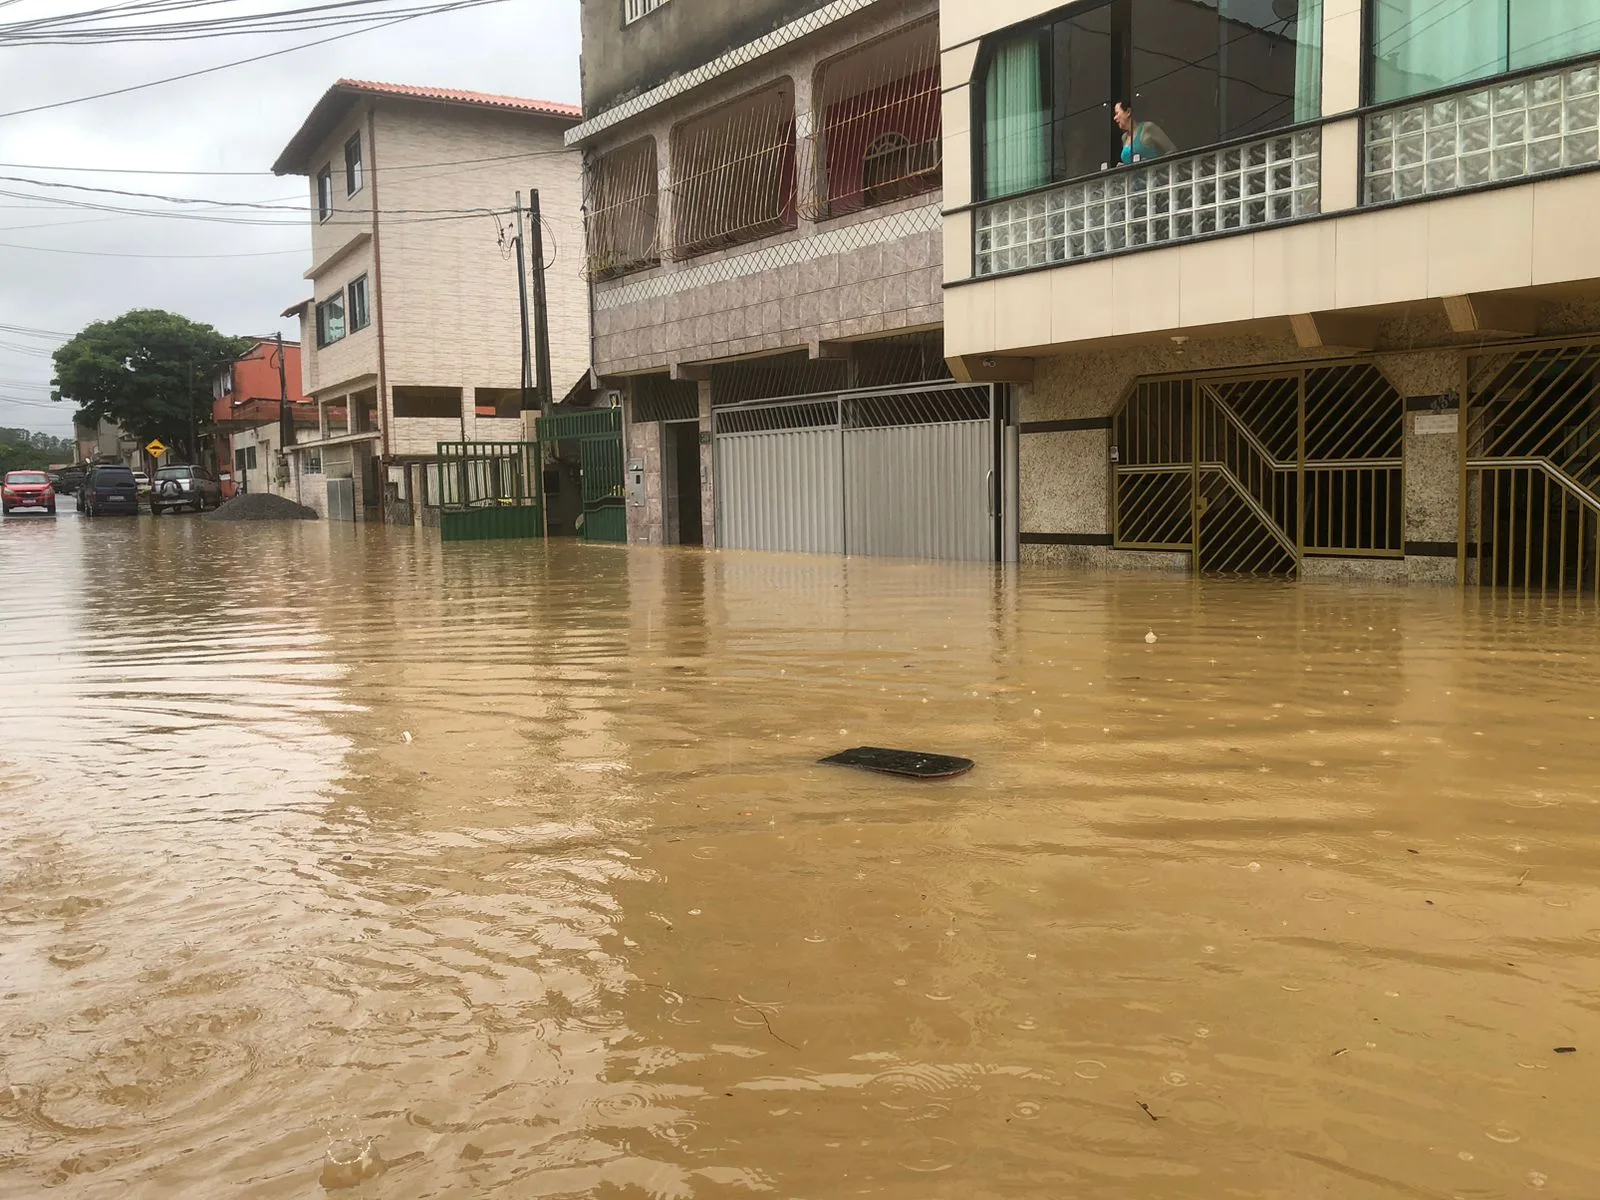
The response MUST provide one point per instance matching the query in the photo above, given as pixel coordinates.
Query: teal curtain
(1420, 45)
(1308, 62)
(1015, 153)
(1546, 30)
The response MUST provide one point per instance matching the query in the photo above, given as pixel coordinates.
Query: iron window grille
(636, 10)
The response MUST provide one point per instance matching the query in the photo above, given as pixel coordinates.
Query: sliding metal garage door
(907, 472)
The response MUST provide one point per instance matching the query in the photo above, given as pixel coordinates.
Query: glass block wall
(1246, 186)
(1498, 131)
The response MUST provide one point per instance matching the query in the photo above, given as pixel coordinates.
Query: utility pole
(541, 308)
(285, 414)
(526, 378)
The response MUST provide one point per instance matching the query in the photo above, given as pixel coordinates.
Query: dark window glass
(352, 165)
(330, 319)
(360, 317)
(1197, 72)
(325, 193)
(1085, 77)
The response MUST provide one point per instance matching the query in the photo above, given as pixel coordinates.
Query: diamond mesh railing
(1244, 186)
(1510, 129)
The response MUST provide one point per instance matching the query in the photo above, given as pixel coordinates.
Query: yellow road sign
(155, 448)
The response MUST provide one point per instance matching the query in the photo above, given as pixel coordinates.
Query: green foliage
(22, 450)
(148, 371)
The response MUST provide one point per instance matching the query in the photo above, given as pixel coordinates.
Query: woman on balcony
(1141, 140)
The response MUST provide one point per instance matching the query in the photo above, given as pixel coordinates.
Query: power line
(79, 28)
(388, 168)
(123, 254)
(239, 62)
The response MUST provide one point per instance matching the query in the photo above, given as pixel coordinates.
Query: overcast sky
(233, 120)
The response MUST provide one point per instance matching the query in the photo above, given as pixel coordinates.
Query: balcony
(1496, 132)
(1242, 186)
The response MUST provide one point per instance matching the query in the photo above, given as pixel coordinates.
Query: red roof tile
(336, 102)
(548, 108)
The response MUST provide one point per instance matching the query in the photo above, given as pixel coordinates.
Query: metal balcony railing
(1246, 185)
(1502, 130)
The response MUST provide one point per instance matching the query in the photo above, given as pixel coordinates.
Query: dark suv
(184, 487)
(109, 489)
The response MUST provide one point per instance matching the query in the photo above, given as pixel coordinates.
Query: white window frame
(354, 178)
(325, 192)
(637, 10)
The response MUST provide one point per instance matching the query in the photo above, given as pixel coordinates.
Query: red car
(27, 489)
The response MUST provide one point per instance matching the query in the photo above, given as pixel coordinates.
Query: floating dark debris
(910, 764)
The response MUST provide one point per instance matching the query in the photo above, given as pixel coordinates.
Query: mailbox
(636, 483)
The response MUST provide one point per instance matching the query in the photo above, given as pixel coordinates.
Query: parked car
(143, 482)
(184, 487)
(69, 480)
(109, 489)
(27, 489)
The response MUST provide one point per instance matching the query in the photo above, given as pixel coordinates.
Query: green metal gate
(598, 434)
(489, 491)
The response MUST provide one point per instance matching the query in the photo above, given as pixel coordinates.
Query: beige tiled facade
(442, 283)
(1384, 282)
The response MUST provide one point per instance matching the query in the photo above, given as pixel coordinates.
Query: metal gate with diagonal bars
(1252, 473)
(908, 472)
(1530, 498)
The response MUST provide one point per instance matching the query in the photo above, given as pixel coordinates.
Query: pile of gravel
(262, 506)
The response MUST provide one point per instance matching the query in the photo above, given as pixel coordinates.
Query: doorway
(681, 473)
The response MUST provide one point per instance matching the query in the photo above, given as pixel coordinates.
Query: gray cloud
(234, 120)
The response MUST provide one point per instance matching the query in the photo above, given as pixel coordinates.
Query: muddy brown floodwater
(330, 860)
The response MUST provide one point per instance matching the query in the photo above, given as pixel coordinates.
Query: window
(498, 402)
(325, 193)
(1197, 72)
(440, 403)
(313, 462)
(633, 10)
(352, 165)
(245, 459)
(623, 206)
(734, 173)
(1420, 46)
(330, 320)
(360, 314)
(878, 134)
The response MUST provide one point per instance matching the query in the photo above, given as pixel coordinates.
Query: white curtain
(1547, 30)
(1421, 45)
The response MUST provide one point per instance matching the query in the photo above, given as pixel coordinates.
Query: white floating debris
(405, 737)
(1150, 637)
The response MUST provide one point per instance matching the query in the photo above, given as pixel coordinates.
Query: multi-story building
(762, 194)
(247, 417)
(413, 333)
(1286, 287)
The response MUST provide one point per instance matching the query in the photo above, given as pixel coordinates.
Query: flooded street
(333, 860)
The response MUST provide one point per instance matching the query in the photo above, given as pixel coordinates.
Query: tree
(21, 450)
(147, 371)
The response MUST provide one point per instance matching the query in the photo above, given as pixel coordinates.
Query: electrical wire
(388, 168)
(211, 70)
(123, 254)
(80, 28)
